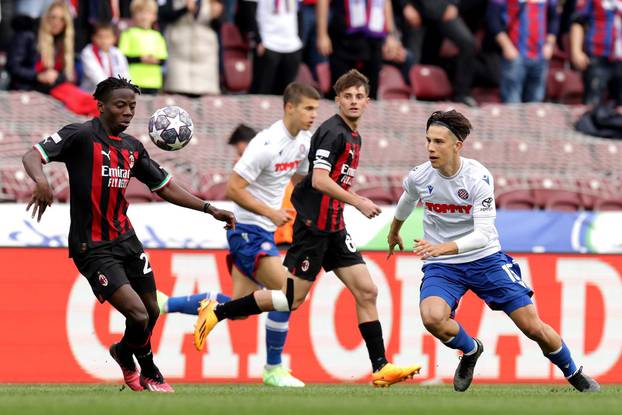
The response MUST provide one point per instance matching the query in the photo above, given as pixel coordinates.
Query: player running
(461, 252)
(320, 237)
(256, 186)
(100, 161)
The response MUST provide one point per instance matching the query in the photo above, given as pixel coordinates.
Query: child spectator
(144, 47)
(101, 59)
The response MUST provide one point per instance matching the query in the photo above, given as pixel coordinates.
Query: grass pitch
(314, 399)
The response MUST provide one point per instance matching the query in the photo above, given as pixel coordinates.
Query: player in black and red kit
(100, 161)
(320, 237)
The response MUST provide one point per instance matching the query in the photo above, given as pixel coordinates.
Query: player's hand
(368, 208)
(394, 239)
(42, 197)
(412, 16)
(425, 249)
(510, 52)
(324, 45)
(547, 50)
(224, 216)
(579, 60)
(281, 216)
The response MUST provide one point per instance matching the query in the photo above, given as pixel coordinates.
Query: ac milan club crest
(305, 265)
(463, 194)
(132, 160)
(103, 280)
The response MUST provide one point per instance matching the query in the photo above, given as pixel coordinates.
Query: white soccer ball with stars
(171, 128)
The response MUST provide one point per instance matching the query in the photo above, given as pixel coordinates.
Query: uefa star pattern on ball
(170, 128)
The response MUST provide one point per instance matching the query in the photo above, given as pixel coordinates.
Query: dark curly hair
(453, 121)
(105, 87)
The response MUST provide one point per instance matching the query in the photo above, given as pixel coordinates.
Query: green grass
(314, 399)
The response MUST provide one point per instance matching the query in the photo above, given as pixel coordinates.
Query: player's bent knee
(433, 320)
(367, 295)
(535, 330)
(138, 317)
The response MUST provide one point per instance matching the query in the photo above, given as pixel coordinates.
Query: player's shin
(277, 326)
(563, 360)
(462, 341)
(189, 304)
(372, 334)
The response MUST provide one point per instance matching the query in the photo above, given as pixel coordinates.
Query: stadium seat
(392, 84)
(237, 65)
(137, 192)
(564, 86)
(217, 191)
(378, 194)
(516, 199)
(608, 203)
(323, 77)
(429, 82)
(306, 77)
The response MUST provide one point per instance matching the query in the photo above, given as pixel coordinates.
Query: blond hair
(45, 40)
(139, 5)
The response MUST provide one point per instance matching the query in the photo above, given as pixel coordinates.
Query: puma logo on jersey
(106, 154)
(447, 208)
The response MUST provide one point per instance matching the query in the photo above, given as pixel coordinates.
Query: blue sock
(562, 359)
(276, 333)
(188, 304)
(462, 341)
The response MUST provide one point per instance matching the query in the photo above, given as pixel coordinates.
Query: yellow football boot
(206, 321)
(390, 374)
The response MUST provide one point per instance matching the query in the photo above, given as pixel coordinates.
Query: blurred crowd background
(466, 51)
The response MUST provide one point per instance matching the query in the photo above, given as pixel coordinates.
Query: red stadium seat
(516, 199)
(392, 84)
(306, 77)
(217, 191)
(564, 86)
(323, 77)
(377, 194)
(137, 192)
(429, 82)
(608, 203)
(237, 65)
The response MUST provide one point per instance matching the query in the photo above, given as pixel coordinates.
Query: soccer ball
(170, 128)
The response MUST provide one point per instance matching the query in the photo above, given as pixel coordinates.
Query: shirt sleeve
(255, 159)
(582, 11)
(484, 202)
(93, 71)
(57, 146)
(150, 172)
(303, 167)
(409, 184)
(327, 150)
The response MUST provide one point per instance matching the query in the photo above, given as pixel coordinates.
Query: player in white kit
(461, 252)
(257, 184)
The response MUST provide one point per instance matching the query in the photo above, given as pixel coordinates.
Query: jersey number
(350, 243)
(146, 268)
(513, 275)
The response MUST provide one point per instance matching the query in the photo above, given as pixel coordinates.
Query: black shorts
(311, 251)
(107, 269)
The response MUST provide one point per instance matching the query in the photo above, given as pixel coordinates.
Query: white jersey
(451, 203)
(268, 163)
(277, 21)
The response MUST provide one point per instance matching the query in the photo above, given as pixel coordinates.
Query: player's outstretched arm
(322, 182)
(42, 196)
(394, 238)
(177, 195)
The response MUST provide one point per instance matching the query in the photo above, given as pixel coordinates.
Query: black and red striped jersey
(336, 148)
(100, 167)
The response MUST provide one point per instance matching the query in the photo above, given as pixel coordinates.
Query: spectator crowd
(65, 47)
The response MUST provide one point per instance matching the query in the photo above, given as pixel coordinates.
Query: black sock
(372, 334)
(147, 367)
(125, 355)
(242, 307)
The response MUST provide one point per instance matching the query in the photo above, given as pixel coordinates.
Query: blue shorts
(247, 245)
(496, 279)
